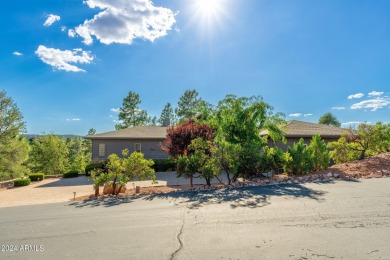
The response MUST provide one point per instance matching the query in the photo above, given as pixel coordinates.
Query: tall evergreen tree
(329, 119)
(130, 114)
(189, 104)
(167, 117)
(13, 147)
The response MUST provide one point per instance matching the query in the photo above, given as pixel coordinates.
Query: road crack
(178, 237)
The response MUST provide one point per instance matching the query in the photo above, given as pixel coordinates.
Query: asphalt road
(342, 220)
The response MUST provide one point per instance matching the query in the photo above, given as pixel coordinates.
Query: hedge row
(71, 174)
(22, 182)
(164, 165)
(37, 176)
(93, 166)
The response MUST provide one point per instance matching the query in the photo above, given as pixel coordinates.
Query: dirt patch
(370, 167)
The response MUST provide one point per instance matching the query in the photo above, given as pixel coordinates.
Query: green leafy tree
(298, 159)
(87, 146)
(320, 153)
(239, 123)
(13, 147)
(198, 160)
(49, 154)
(367, 140)
(128, 168)
(130, 114)
(167, 117)
(329, 119)
(78, 156)
(189, 104)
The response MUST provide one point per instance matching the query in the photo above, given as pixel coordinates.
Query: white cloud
(295, 115)
(338, 108)
(116, 110)
(71, 33)
(63, 28)
(375, 94)
(373, 104)
(52, 18)
(73, 119)
(123, 21)
(117, 121)
(16, 53)
(61, 59)
(306, 115)
(358, 95)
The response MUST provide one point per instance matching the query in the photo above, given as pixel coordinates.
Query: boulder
(329, 175)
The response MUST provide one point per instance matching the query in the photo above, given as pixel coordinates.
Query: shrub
(298, 159)
(164, 165)
(320, 153)
(71, 174)
(22, 182)
(93, 166)
(37, 176)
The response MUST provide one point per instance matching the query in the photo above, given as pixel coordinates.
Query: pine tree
(130, 114)
(167, 117)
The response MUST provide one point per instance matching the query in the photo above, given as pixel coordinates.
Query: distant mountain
(29, 136)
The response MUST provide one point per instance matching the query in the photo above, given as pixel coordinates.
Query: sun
(207, 7)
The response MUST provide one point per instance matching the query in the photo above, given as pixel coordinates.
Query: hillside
(370, 167)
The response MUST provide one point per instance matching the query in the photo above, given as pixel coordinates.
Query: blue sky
(67, 64)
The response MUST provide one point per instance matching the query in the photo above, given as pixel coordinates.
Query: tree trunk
(362, 155)
(114, 186)
(191, 179)
(97, 192)
(228, 177)
(208, 181)
(119, 190)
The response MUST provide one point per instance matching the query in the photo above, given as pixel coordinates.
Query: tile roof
(137, 132)
(295, 128)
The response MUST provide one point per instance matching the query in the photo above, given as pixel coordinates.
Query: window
(137, 147)
(102, 150)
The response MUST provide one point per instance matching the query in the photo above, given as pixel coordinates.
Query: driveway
(340, 220)
(61, 190)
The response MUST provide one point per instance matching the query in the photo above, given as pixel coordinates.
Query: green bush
(320, 153)
(22, 182)
(164, 165)
(37, 176)
(93, 166)
(298, 159)
(71, 174)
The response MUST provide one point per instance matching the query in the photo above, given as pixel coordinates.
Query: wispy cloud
(338, 108)
(124, 21)
(117, 121)
(295, 115)
(306, 115)
(52, 18)
(373, 104)
(353, 124)
(16, 53)
(73, 119)
(375, 94)
(63, 28)
(358, 95)
(116, 110)
(62, 60)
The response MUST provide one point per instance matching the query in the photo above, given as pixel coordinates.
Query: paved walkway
(61, 190)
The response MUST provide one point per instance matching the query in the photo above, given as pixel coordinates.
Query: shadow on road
(64, 182)
(251, 197)
(106, 202)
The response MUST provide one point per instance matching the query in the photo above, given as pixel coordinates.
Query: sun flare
(208, 6)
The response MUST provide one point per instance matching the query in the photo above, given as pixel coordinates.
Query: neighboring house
(296, 130)
(145, 139)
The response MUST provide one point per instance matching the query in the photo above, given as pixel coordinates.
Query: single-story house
(296, 130)
(147, 139)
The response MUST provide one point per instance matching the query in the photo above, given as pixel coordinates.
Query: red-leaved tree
(180, 137)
